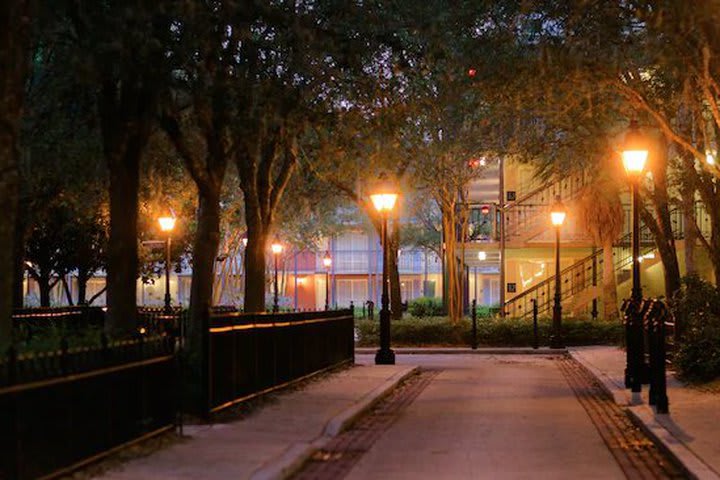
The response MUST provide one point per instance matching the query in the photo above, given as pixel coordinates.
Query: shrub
(697, 314)
(425, 307)
(439, 331)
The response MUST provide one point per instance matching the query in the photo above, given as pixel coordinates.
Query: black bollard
(474, 325)
(536, 343)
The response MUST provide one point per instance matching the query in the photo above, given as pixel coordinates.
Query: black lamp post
(166, 225)
(327, 263)
(277, 249)
(634, 156)
(557, 217)
(384, 201)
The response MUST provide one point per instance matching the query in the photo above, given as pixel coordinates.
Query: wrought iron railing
(588, 272)
(529, 213)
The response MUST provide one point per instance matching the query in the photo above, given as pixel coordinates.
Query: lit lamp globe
(482, 256)
(558, 213)
(276, 247)
(327, 260)
(166, 223)
(384, 198)
(635, 152)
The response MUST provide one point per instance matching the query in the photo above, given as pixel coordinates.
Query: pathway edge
(286, 464)
(644, 417)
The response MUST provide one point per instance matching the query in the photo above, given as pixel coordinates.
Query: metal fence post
(474, 325)
(206, 363)
(661, 398)
(15, 461)
(64, 355)
(536, 343)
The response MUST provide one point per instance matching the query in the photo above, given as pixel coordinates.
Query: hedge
(439, 332)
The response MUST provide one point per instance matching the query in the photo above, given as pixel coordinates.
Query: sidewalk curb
(295, 456)
(467, 350)
(644, 417)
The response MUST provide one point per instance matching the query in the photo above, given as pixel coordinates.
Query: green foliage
(438, 331)
(697, 312)
(425, 307)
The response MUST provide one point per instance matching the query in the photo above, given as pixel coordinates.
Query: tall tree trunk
(122, 249)
(661, 225)
(205, 248)
(454, 280)
(66, 289)
(44, 288)
(688, 210)
(394, 272)
(714, 243)
(15, 23)
(255, 263)
(82, 280)
(609, 288)
(19, 255)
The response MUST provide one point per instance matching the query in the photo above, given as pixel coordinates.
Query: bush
(697, 314)
(425, 307)
(438, 331)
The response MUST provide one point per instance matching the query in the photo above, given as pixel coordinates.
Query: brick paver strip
(341, 453)
(637, 455)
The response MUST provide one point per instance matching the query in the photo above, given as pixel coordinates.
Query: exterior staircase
(582, 282)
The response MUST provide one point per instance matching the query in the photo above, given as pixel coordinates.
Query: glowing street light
(710, 157)
(557, 217)
(634, 155)
(384, 200)
(276, 248)
(327, 263)
(167, 224)
(635, 152)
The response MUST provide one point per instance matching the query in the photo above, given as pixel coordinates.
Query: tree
(280, 96)
(15, 23)
(197, 124)
(118, 50)
(602, 217)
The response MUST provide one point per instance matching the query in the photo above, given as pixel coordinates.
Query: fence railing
(249, 354)
(58, 409)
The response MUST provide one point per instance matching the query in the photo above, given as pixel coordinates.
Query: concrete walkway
(691, 429)
(274, 440)
(486, 416)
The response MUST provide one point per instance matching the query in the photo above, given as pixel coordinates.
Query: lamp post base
(556, 338)
(385, 357)
(168, 304)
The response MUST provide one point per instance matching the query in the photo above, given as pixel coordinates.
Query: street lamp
(384, 201)
(167, 224)
(277, 249)
(327, 263)
(557, 217)
(634, 156)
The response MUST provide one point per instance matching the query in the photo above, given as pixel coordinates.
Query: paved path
(490, 417)
(239, 449)
(694, 419)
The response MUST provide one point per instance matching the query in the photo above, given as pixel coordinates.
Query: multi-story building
(508, 257)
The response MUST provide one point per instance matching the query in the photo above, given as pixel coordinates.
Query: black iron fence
(29, 322)
(249, 354)
(63, 408)
(59, 409)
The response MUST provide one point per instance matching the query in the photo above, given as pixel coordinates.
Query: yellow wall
(527, 267)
